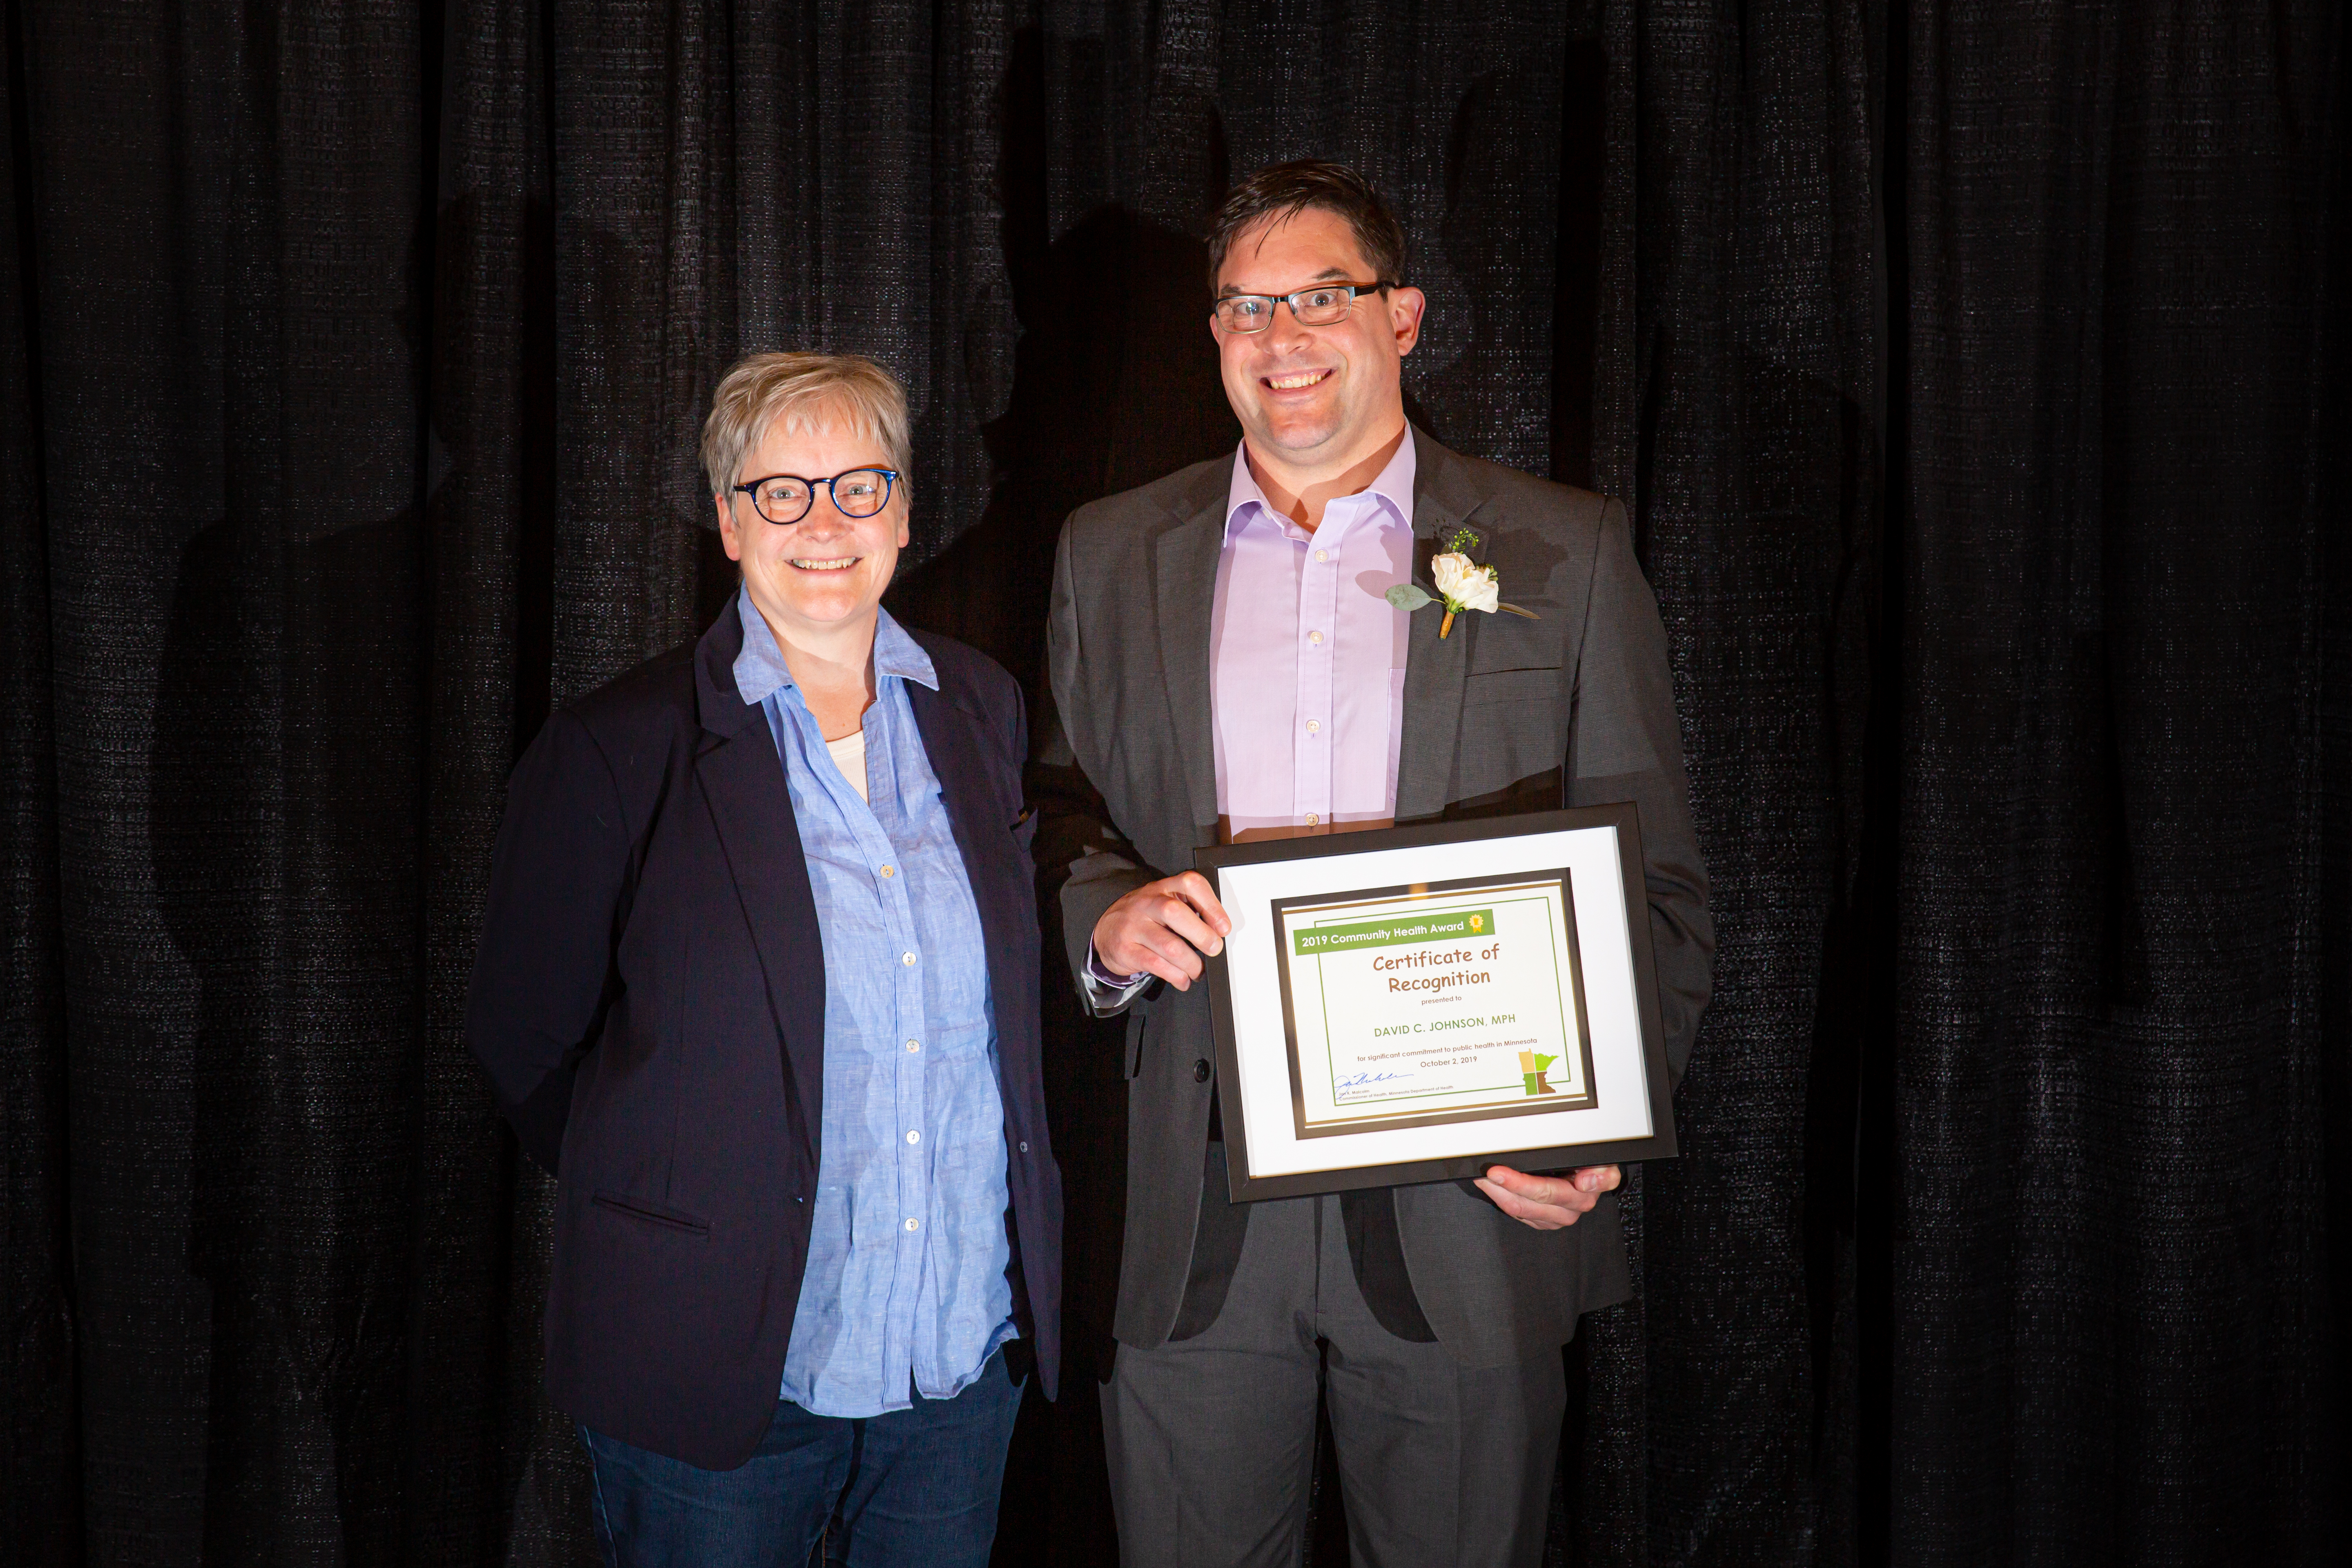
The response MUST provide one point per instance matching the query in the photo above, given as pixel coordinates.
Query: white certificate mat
(1390, 1012)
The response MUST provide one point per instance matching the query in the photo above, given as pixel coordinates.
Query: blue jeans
(915, 1486)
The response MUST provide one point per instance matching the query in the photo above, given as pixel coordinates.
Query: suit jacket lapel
(1435, 668)
(742, 779)
(1185, 600)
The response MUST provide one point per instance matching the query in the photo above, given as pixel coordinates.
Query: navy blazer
(648, 999)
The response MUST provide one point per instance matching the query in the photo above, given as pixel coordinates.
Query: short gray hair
(807, 392)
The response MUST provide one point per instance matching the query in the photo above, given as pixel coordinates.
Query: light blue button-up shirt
(906, 1284)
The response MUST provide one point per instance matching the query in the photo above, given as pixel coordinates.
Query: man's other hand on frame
(1549, 1202)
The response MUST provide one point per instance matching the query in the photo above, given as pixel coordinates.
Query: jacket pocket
(1134, 1022)
(654, 1213)
(1538, 687)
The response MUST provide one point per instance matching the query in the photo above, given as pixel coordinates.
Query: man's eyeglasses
(785, 498)
(1317, 307)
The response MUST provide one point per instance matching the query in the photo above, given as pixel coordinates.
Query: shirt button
(889, 871)
(914, 1225)
(1314, 726)
(1315, 637)
(913, 1137)
(913, 1046)
(1322, 555)
(906, 958)
(1311, 819)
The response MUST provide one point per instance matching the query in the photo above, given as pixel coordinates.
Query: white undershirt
(849, 756)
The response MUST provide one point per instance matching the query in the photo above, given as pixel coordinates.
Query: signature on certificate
(1358, 1079)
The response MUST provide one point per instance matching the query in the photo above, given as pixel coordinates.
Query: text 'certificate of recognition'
(1414, 1006)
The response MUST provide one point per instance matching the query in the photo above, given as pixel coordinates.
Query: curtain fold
(1753, 456)
(2116, 1334)
(40, 1458)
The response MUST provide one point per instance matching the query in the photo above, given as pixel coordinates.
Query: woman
(758, 981)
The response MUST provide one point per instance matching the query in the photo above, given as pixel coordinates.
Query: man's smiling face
(1309, 396)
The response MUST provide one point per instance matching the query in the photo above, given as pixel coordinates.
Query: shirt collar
(1392, 484)
(761, 671)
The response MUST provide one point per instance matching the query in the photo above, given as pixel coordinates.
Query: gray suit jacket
(1504, 715)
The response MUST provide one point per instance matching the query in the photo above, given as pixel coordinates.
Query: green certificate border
(1463, 891)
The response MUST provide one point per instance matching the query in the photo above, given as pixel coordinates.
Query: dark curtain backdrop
(1981, 379)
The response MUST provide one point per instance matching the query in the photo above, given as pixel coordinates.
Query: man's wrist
(1103, 976)
(1105, 993)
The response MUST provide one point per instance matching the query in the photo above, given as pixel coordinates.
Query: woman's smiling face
(824, 575)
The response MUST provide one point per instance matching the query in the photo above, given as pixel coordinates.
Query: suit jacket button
(1200, 1070)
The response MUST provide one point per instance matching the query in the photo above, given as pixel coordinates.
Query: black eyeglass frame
(889, 487)
(1355, 291)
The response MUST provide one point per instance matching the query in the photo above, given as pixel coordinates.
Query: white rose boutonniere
(1463, 585)
(1462, 582)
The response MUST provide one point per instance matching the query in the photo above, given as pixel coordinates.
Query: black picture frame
(1625, 819)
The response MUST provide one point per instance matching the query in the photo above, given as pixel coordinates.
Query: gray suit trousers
(1212, 1438)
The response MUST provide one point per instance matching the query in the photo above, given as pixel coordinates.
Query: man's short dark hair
(1285, 190)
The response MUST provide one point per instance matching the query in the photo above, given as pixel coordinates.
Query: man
(1226, 667)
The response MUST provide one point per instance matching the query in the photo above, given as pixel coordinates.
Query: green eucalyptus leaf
(1408, 595)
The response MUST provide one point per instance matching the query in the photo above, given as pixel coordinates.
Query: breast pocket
(1539, 686)
(1513, 726)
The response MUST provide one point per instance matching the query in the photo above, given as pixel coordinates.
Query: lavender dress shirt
(1306, 660)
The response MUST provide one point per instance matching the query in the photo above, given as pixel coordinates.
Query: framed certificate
(1417, 1004)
